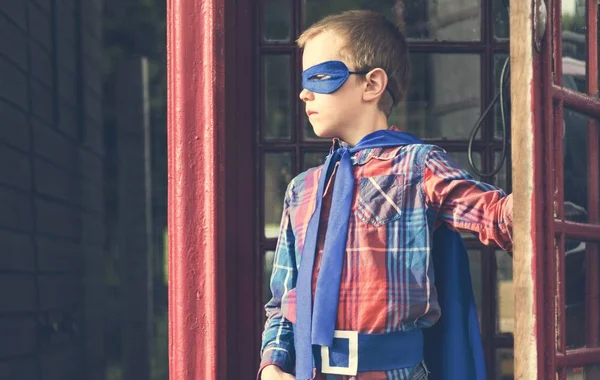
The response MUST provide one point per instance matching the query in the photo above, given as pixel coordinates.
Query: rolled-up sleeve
(466, 204)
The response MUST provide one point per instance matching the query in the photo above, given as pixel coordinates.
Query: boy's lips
(310, 112)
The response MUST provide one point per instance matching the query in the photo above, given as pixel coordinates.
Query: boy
(353, 277)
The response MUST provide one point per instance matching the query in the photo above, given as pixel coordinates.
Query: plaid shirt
(401, 195)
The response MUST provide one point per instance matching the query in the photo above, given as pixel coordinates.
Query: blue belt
(353, 352)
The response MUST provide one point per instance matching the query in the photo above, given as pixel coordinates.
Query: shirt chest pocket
(380, 199)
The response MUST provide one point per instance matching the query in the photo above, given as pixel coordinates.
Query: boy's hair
(371, 42)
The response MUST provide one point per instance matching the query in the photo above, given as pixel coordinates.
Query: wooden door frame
(528, 190)
(213, 310)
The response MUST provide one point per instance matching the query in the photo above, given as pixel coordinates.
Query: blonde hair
(371, 41)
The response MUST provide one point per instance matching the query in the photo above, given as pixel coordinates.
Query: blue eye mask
(328, 77)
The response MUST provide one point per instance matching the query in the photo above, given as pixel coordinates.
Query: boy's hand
(272, 372)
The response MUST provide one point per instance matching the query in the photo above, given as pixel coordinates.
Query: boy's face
(331, 115)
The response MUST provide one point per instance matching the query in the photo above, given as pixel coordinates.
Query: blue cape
(453, 348)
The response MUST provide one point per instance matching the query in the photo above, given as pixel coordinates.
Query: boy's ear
(376, 83)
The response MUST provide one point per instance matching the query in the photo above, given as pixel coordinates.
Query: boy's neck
(364, 127)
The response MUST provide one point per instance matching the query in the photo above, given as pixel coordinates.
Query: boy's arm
(278, 335)
(466, 204)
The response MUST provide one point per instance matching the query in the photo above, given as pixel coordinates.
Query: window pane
(313, 159)
(267, 270)
(443, 20)
(444, 96)
(314, 10)
(577, 266)
(501, 179)
(577, 302)
(277, 175)
(575, 293)
(573, 45)
(505, 293)
(575, 165)
(462, 160)
(475, 266)
(590, 372)
(425, 19)
(505, 369)
(503, 103)
(501, 24)
(277, 119)
(277, 20)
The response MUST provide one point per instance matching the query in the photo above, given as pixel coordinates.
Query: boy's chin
(323, 132)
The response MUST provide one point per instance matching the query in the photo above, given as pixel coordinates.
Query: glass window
(314, 10)
(578, 313)
(575, 151)
(277, 176)
(501, 178)
(584, 373)
(313, 159)
(501, 22)
(505, 369)
(444, 96)
(462, 160)
(277, 20)
(268, 258)
(505, 295)
(574, 44)
(277, 90)
(457, 20)
(425, 19)
(501, 74)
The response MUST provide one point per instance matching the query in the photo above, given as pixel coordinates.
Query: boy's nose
(305, 95)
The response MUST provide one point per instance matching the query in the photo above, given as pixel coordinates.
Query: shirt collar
(365, 155)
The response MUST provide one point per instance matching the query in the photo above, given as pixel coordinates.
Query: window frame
(555, 98)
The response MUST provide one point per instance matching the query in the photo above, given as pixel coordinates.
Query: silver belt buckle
(352, 368)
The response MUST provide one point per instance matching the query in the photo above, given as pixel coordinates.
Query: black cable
(477, 126)
(499, 96)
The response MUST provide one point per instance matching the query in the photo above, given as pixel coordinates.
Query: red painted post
(196, 128)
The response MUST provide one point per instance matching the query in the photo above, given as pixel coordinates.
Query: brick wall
(51, 190)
